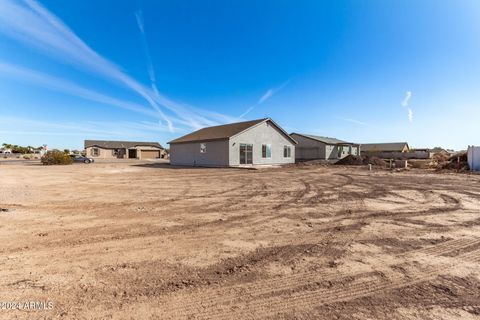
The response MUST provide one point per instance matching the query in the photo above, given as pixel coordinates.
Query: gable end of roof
(225, 131)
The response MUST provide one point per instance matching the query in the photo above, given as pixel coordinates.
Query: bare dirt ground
(145, 241)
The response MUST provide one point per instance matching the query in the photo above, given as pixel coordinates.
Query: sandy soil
(145, 241)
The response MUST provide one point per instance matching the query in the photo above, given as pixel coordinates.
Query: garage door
(150, 154)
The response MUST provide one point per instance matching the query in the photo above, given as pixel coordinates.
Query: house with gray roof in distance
(312, 147)
(103, 149)
(256, 142)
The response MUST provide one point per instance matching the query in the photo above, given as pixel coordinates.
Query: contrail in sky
(267, 95)
(47, 33)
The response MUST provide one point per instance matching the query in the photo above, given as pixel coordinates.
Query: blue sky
(364, 71)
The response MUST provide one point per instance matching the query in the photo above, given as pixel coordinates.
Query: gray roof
(391, 146)
(224, 131)
(326, 140)
(119, 144)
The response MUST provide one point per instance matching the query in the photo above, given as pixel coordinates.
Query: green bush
(56, 157)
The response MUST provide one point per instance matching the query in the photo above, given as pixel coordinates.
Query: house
(256, 142)
(422, 153)
(385, 147)
(316, 147)
(5, 151)
(385, 150)
(123, 149)
(441, 151)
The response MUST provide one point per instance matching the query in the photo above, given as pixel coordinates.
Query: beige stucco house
(386, 150)
(385, 147)
(103, 149)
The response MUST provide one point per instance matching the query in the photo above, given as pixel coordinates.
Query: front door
(246, 153)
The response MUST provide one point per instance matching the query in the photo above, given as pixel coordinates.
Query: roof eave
(193, 141)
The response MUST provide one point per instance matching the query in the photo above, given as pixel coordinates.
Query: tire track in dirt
(466, 248)
(291, 282)
(298, 200)
(320, 189)
(403, 214)
(309, 183)
(164, 231)
(297, 196)
(330, 227)
(305, 300)
(287, 283)
(347, 177)
(230, 295)
(455, 204)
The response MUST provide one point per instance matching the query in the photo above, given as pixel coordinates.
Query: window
(246, 153)
(203, 148)
(287, 151)
(115, 152)
(266, 150)
(95, 152)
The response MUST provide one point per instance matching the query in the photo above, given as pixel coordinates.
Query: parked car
(77, 158)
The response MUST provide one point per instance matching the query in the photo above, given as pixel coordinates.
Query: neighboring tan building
(386, 147)
(257, 142)
(422, 153)
(311, 147)
(385, 150)
(123, 149)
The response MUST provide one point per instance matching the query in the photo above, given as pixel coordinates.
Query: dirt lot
(145, 241)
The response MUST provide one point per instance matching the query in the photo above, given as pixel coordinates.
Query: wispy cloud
(64, 86)
(52, 37)
(354, 121)
(410, 115)
(87, 129)
(266, 96)
(406, 100)
(406, 104)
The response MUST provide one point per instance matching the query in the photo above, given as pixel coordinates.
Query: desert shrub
(56, 157)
